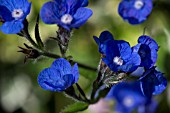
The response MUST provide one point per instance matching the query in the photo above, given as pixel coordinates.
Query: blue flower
(152, 82)
(120, 57)
(59, 76)
(129, 97)
(135, 11)
(66, 13)
(12, 14)
(104, 37)
(149, 107)
(147, 49)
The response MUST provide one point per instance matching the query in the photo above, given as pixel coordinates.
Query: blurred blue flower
(66, 13)
(135, 11)
(12, 14)
(104, 37)
(129, 98)
(147, 49)
(152, 82)
(149, 107)
(59, 76)
(120, 57)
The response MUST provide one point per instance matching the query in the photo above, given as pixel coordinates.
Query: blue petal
(97, 40)
(112, 50)
(75, 73)
(73, 5)
(49, 79)
(62, 65)
(27, 9)
(69, 80)
(80, 17)
(132, 63)
(160, 86)
(138, 72)
(104, 37)
(148, 51)
(110, 64)
(50, 14)
(5, 14)
(146, 58)
(147, 88)
(153, 82)
(84, 3)
(10, 4)
(148, 41)
(136, 48)
(124, 49)
(12, 27)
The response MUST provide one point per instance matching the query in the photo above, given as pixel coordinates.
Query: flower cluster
(118, 59)
(121, 58)
(12, 14)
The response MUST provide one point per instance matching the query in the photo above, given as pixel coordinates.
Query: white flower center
(17, 13)
(138, 4)
(128, 101)
(66, 19)
(118, 60)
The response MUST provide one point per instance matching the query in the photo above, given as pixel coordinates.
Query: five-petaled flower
(66, 13)
(129, 98)
(118, 55)
(12, 14)
(135, 11)
(147, 49)
(59, 76)
(152, 82)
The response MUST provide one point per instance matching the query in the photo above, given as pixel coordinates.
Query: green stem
(85, 66)
(48, 54)
(25, 33)
(82, 93)
(28, 37)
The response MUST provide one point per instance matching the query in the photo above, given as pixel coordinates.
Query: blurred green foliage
(20, 92)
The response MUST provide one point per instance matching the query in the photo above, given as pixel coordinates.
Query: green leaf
(74, 108)
(37, 34)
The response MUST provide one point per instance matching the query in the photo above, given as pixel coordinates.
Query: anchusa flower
(135, 11)
(152, 82)
(129, 98)
(147, 49)
(12, 15)
(66, 13)
(59, 76)
(118, 54)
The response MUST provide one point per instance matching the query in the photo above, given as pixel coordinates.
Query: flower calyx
(30, 52)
